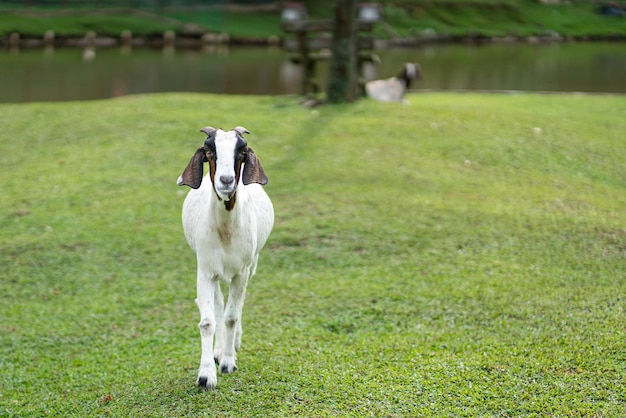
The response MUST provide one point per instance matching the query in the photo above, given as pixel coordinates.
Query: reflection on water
(74, 74)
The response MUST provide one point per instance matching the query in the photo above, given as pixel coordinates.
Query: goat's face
(411, 71)
(226, 152)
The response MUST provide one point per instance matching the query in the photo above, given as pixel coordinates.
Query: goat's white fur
(393, 89)
(227, 243)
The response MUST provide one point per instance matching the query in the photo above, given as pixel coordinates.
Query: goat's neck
(230, 204)
(404, 78)
(224, 212)
(406, 81)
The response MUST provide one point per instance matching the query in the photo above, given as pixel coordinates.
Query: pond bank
(403, 24)
(199, 40)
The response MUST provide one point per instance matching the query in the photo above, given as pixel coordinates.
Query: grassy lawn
(77, 23)
(500, 18)
(462, 256)
(402, 18)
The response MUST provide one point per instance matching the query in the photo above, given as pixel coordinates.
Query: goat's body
(226, 225)
(228, 239)
(389, 90)
(227, 246)
(393, 89)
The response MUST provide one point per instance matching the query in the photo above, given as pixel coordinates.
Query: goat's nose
(227, 179)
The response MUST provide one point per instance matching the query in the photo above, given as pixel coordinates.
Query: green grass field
(462, 256)
(460, 18)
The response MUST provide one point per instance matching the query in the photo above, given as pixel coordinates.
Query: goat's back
(388, 90)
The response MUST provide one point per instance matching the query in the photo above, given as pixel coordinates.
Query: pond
(70, 74)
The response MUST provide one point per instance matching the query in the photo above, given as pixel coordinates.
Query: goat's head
(226, 152)
(411, 71)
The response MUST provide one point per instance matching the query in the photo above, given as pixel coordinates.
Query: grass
(77, 23)
(486, 18)
(462, 256)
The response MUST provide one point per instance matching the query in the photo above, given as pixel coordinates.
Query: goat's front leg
(219, 323)
(207, 374)
(232, 322)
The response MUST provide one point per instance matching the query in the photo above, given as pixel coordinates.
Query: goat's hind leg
(207, 374)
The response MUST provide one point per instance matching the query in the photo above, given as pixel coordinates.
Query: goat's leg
(239, 330)
(232, 322)
(207, 374)
(238, 333)
(219, 323)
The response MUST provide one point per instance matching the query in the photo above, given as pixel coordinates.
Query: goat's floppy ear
(252, 171)
(192, 176)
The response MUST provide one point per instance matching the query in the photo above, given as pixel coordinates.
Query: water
(67, 74)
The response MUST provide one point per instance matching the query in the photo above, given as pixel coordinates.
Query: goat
(227, 219)
(393, 89)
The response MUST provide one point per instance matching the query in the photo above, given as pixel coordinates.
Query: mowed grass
(462, 256)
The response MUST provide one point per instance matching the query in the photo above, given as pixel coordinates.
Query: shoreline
(199, 40)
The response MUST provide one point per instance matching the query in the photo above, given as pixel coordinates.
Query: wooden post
(303, 48)
(342, 81)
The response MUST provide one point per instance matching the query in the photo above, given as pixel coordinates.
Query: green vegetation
(236, 24)
(77, 24)
(403, 18)
(489, 18)
(462, 256)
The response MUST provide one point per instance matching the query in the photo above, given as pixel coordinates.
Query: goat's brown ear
(252, 171)
(192, 176)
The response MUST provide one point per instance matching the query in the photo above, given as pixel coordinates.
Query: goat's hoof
(227, 368)
(204, 384)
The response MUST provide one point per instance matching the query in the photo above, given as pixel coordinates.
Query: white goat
(393, 89)
(226, 220)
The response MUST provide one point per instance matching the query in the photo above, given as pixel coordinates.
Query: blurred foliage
(261, 18)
